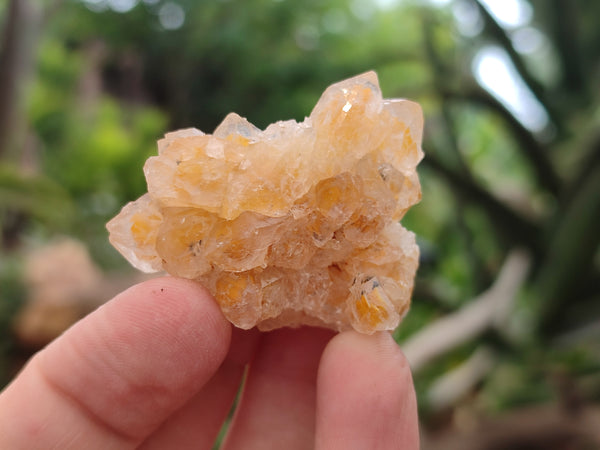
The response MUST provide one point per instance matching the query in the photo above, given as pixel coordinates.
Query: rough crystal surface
(297, 224)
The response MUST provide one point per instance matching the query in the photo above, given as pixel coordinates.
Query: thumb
(115, 376)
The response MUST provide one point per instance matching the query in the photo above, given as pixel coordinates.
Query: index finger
(115, 376)
(365, 395)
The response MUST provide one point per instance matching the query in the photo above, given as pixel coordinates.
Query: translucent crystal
(293, 225)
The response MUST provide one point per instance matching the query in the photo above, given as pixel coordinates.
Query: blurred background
(504, 332)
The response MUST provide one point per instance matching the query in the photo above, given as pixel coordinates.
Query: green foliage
(512, 385)
(92, 143)
(107, 150)
(12, 299)
(38, 197)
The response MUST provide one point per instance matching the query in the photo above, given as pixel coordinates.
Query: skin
(159, 367)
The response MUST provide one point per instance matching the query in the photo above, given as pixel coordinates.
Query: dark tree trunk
(17, 53)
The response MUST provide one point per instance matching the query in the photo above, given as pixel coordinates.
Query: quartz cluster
(294, 225)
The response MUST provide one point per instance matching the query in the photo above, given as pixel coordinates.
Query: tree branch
(508, 223)
(500, 36)
(572, 250)
(491, 308)
(529, 146)
(16, 60)
(450, 387)
(438, 69)
(565, 31)
(585, 169)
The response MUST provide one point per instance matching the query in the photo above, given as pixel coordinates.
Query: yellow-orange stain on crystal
(142, 229)
(235, 249)
(263, 199)
(231, 288)
(351, 118)
(329, 198)
(238, 140)
(319, 226)
(408, 144)
(203, 175)
(228, 247)
(370, 307)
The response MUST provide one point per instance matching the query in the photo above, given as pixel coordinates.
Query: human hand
(158, 367)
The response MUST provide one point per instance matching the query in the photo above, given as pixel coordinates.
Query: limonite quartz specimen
(294, 225)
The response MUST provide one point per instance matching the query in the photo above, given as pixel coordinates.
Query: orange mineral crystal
(294, 225)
